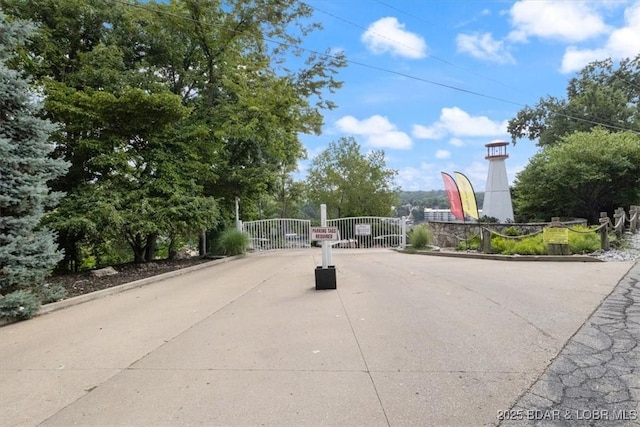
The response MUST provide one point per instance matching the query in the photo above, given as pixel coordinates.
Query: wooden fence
(622, 222)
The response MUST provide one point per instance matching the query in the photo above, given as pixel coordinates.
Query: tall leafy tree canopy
(584, 174)
(168, 111)
(601, 95)
(351, 183)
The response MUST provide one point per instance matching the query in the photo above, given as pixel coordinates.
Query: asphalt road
(404, 340)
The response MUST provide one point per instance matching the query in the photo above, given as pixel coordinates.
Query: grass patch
(420, 237)
(585, 242)
(232, 242)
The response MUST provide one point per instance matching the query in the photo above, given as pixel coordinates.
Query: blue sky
(514, 53)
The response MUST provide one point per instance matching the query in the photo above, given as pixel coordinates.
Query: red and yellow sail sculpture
(467, 196)
(453, 194)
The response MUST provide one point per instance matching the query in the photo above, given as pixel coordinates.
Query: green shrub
(583, 243)
(511, 231)
(51, 293)
(19, 305)
(488, 219)
(500, 245)
(232, 242)
(526, 246)
(472, 242)
(420, 237)
(533, 245)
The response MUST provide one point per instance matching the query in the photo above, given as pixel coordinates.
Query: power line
(322, 54)
(373, 67)
(632, 85)
(428, 55)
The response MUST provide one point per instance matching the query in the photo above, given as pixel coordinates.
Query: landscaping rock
(103, 272)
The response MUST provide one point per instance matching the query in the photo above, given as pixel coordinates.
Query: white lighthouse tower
(497, 197)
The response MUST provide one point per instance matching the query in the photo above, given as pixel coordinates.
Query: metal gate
(370, 232)
(280, 233)
(354, 232)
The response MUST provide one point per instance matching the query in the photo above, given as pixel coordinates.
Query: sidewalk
(595, 380)
(404, 340)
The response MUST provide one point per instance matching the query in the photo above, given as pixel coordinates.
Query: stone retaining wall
(449, 234)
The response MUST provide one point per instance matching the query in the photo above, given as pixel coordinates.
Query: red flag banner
(453, 195)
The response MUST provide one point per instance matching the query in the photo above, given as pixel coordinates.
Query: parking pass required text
(324, 233)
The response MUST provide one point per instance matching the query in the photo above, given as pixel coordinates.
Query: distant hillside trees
(432, 199)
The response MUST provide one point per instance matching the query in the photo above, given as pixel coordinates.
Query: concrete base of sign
(326, 277)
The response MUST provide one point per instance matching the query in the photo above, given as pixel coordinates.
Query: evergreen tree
(27, 252)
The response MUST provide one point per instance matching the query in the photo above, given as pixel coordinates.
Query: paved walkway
(595, 380)
(404, 340)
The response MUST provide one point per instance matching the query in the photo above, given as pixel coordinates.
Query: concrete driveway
(404, 340)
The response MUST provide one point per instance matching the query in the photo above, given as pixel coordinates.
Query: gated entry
(370, 232)
(355, 232)
(280, 233)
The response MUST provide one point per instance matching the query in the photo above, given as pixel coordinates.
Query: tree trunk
(172, 251)
(150, 247)
(202, 244)
(138, 249)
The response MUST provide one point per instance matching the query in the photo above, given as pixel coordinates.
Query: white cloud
(418, 178)
(423, 132)
(388, 35)
(457, 122)
(457, 142)
(443, 154)
(575, 59)
(571, 21)
(621, 43)
(378, 131)
(477, 174)
(484, 47)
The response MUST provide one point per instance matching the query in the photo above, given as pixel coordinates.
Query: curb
(60, 305)
(495, 257)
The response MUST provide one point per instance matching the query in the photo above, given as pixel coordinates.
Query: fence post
(634, 212)
(557, 248)
(486, 241)
(604, 231)
(403, 240)
(618, 222)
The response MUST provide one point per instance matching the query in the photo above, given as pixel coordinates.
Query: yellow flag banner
(467, 195)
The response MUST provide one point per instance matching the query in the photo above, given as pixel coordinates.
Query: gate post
(326, 273)
(485, 240)
(634, 212)
(618, 222)
(403, 241)
(604, 232)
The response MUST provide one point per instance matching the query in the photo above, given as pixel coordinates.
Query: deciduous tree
(351, 183)
(112, 73)
(582, 175)
(601, 95)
